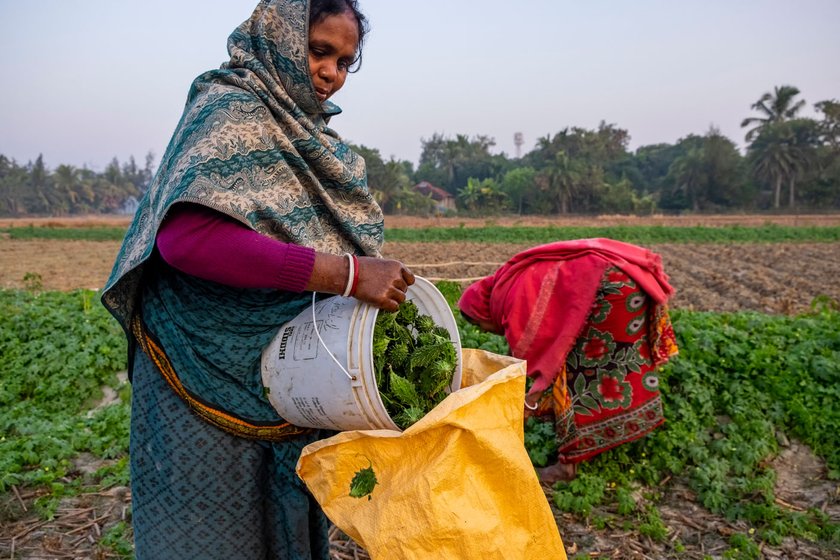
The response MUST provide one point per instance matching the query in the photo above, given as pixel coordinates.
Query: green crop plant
(363, 483)
(540, 441)
(117, 541)
(92, 233)
(57, 351)
(631, 234)
(491, 233)
(740, 380)
(415, 363)
(652, 526)
(742, 547)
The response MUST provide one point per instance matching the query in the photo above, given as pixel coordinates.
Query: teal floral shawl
(253, 143)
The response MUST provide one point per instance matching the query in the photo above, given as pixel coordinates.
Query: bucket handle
(321, 340)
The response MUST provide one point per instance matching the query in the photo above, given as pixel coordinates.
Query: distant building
(444, 202)
(130, 206)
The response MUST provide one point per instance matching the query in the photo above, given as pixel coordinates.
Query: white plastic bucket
(308, 388)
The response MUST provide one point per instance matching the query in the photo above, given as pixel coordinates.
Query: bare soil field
(769, 278)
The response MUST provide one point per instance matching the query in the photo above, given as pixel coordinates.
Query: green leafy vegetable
(740, 380)
(363, 483)
(57, 352)
(540, 441)
(642, 235)
(415, 363)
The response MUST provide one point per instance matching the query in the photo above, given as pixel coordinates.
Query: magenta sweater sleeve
(208, 244)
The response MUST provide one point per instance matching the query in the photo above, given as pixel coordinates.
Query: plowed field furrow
(702, 286)
(730, 268)
(795, 257)
(792, 273)
(745, 277)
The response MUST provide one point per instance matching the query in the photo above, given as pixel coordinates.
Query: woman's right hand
(382, 282)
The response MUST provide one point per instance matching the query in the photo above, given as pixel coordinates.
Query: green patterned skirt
(200, 492)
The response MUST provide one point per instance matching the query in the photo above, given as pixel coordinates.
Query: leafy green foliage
(582, 494)
(118, 540)
(540, 441)
(652, 525)
(93, 233)
(471, 336)
(742, 547)
(57, 350)
(768, 233)
(363, 483)
(415, 363)
(740, 380)
(631, 234)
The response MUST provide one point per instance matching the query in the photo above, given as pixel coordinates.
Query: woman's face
(332, 49)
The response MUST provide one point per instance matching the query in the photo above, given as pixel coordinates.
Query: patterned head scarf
(254, 143)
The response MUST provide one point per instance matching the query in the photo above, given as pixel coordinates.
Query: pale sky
(88, 80)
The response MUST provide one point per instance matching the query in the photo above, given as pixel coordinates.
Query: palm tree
(804, 139)
(67, 179)
(772, 162)
(395, 181)
(775, 107)
(563, 179)
(785, 152)
(690, 175)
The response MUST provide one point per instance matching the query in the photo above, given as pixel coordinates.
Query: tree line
(790, 162)
(33, 189)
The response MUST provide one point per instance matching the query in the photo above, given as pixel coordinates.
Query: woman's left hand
(383, 282)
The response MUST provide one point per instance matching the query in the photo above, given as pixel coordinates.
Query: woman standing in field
(590, 317)
(257, 203)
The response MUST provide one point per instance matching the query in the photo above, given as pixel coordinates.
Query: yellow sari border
(216, 417)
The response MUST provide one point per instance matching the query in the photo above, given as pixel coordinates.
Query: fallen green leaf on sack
(363, 483)
(415, 363)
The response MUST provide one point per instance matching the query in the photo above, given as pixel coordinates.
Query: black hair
(320, 9)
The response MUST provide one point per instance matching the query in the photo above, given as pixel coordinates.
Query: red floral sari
(590, 317)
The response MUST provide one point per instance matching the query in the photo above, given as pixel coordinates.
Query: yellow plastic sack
(458, 484)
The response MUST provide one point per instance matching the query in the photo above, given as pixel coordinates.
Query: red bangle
(355, 276)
